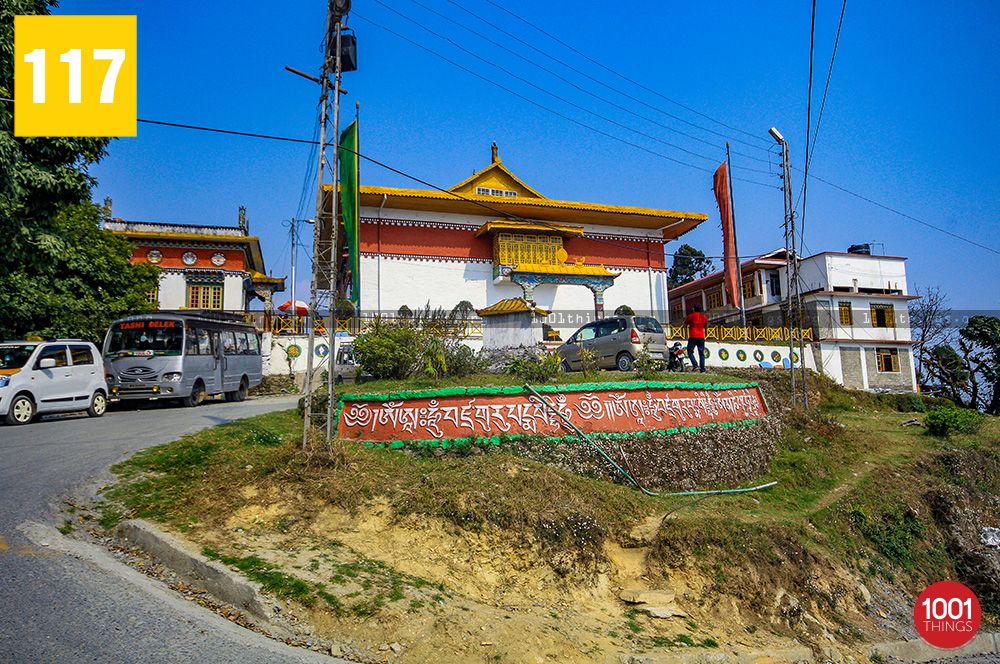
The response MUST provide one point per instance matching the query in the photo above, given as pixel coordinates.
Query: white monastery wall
(173, 291)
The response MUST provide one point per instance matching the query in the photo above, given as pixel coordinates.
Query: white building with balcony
(854, 303)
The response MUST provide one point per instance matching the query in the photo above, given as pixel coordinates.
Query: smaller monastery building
(492, 237)
(201, 266)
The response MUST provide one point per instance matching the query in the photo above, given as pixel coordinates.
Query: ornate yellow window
(846, 315)
(883, 315)
(714, 298)
(518, 248)
(750, 287)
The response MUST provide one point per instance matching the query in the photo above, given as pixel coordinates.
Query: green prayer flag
(350, 206)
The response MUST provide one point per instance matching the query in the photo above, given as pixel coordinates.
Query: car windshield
(647, 324)
(15, 357)
(145, 338)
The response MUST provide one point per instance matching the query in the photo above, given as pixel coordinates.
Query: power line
(591, 93)
(549, 92)
(289, 139)
(809, 102)
(626, 78)
(546, 108)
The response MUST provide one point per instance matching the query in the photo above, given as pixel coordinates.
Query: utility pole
(319, 259)
(331, 328)
(325, 258)
(791, 270)
(294, 254)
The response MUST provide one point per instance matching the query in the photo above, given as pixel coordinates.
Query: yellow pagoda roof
(513, 305)
(505, 194)
(555, 268)
(514, 225)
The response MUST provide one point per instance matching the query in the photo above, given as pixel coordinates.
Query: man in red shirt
(696, 322)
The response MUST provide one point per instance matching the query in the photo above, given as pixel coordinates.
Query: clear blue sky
(910, 118)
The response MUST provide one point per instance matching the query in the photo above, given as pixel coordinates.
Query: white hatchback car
(53, 376)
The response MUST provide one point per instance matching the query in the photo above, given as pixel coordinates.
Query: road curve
(58, 607)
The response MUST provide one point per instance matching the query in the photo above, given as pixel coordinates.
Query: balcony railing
(748, 334)
(299, 325)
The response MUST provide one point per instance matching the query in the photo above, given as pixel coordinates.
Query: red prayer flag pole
(731, 266)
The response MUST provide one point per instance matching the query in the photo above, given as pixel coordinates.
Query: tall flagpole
(331, 328)
(736, 249)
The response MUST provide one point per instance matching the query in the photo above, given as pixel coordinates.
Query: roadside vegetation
(865, 513)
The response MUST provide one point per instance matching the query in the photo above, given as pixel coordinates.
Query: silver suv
(53, 376)
(615, 342)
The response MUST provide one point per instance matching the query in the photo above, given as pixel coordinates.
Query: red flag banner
(730, 262)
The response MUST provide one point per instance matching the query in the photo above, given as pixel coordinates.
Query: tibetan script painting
(381, 418)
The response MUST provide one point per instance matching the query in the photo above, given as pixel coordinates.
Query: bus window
(228, 342)
(204, 342)
(145, 338)
(191, 342)
(242, 347)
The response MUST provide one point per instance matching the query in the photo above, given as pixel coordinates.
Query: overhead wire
(626, 78)
(548, 92)
(809, 90)
(582, 89)
(547, 108)
(289, 139)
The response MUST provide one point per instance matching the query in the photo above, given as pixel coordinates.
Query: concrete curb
(192, 567)
(783, 656)
(985, 643)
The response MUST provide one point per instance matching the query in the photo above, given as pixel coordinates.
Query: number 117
(73, 58)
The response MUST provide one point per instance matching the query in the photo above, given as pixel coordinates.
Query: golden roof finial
(496, 153)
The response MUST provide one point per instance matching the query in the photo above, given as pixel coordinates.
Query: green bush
(588, 362)
(904, 403)
(646, 366)
(462, 360)
(624, 310)
(389, 351)
(944, 422)
(539, 370)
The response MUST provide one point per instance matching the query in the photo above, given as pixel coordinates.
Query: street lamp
(293, 222)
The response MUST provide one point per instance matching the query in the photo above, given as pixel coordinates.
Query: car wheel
(624, 362)
(564, 367)
(98, 405)
(21, 411)
(196, 397)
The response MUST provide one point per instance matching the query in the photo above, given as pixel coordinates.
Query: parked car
(615, 342)
(53, 376)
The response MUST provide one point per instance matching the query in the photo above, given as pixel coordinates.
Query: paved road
(56, 607)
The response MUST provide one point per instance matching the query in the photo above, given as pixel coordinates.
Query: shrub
(645, 365)
(588, 362)
(462, 360)
(538, 370)
(624, 310)
(944, 422)
(904, 403)
(433, 358)
(389, 351)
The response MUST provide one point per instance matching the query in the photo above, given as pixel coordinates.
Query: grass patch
(269, 576)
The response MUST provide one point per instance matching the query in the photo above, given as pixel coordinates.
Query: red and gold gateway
(201, 266)
(492, 237)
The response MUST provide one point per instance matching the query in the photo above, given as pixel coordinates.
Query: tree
(689, 264)
(81, 280)
(930, 322)
(60, 274)
(624, 310)
(980, 340)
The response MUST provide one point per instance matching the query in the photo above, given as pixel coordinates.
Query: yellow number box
(74, 75)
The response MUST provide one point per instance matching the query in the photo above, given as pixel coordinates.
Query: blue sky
(909, 121)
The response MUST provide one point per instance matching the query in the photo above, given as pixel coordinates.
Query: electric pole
(791, 269)
(324, 273)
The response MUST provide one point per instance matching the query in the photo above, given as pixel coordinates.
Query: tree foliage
(963, 364)
(80, 280)
(61, 275)
(689, 264)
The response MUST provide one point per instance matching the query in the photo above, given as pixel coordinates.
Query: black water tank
(860, 249)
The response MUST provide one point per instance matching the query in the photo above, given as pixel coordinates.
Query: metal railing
(280, 324)
(748, 334)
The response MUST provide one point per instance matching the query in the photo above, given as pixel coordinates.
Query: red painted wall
(456, 243)
(235, 259)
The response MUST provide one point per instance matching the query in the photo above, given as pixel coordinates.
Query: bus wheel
(196, 397)
(241, 392)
